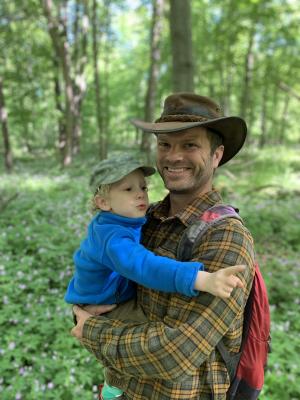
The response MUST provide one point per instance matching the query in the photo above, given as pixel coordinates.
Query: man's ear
(217, 157)
(102, 203)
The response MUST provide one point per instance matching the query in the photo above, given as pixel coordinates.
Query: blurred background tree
(74, 72)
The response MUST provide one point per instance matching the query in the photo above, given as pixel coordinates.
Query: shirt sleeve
(158, 350)
(133, 261)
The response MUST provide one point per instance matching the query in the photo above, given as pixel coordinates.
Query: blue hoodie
(111, 257)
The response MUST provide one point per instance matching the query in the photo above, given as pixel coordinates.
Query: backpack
(246, 368)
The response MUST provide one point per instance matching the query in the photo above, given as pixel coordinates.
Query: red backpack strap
(249, 378)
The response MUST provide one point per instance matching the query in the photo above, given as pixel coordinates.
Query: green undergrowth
(44, 214)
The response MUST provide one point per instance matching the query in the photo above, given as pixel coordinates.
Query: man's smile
(176, 171)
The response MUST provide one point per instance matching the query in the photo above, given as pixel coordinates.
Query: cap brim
(232, 129)
(148, 170)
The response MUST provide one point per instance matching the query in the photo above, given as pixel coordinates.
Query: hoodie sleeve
(133, 261)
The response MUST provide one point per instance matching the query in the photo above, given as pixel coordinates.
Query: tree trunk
(181, 43)
(249, 62)
(59, 107)
(274, 129)
(263, 118)
(156, 30)
(284, 117)
(59, 40)
(99, 117)
(225, 73)
(79, 63)
(8, 159)
(288, 89)
(106, 71)
(74, 89)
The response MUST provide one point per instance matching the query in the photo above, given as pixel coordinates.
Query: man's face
(185, 162)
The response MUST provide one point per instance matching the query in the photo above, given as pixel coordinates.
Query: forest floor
(43, 217)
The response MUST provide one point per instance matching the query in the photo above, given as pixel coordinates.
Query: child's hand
(220, 283)
(98, 309)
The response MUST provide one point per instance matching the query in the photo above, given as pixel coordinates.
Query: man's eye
(191, 145)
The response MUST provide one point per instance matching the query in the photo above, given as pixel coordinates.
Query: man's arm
(156, 350)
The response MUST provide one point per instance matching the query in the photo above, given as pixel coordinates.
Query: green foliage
(44, 224)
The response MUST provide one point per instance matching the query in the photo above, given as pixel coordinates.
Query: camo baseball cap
(114, 169)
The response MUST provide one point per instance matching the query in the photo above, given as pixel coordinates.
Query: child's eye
(145, 188)
(128, 189)
(163, 144)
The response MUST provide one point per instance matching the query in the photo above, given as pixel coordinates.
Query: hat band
(181, 118)
(201, 110)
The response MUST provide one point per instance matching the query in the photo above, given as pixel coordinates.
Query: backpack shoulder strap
(196, 230)
(192, 235)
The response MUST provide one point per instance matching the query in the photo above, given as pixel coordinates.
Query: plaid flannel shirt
(174, 355)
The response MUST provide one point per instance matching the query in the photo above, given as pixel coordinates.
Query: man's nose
(174, 154)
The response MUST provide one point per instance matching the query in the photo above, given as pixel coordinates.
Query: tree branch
(283, 86)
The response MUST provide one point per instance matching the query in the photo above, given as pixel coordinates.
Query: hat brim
(232, 129)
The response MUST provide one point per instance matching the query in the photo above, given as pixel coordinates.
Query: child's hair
(101, 191)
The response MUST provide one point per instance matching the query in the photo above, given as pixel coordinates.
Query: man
(174, 355)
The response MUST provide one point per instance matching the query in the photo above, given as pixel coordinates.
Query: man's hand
(82, 314)
(96, 309)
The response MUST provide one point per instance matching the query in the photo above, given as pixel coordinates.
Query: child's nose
(140, 194)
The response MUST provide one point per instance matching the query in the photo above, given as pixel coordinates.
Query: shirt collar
(189, 213)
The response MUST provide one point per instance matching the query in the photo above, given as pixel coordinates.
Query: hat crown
(189, 107)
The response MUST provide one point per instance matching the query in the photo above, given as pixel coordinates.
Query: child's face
(128, 197)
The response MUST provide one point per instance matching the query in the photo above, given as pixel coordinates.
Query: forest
(73, 73)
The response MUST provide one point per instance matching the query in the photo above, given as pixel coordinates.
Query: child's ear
(102, 203)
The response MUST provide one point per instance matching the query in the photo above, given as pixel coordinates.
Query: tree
(106, 72)
(100, 35)
(8, 159)
(248, 73)
(72, 67)
(181, 43)
(155, 35)
(95, 42)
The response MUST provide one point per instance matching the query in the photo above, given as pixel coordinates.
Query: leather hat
(187, 110)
